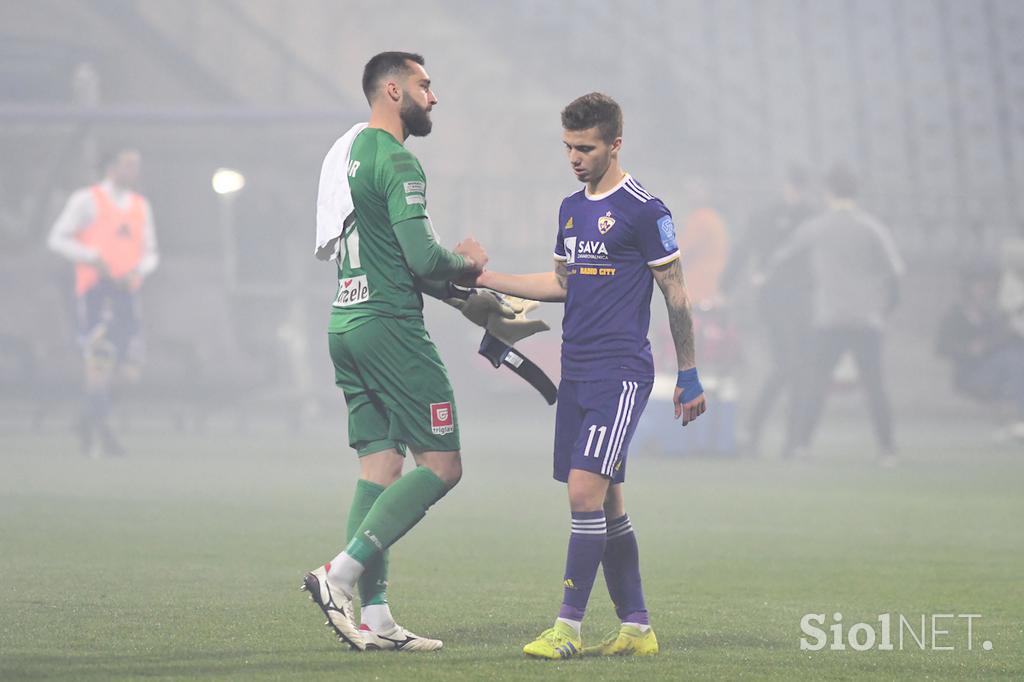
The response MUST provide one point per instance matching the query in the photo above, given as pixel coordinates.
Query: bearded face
(415, 118)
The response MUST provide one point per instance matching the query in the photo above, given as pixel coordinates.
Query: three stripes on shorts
(623, 416)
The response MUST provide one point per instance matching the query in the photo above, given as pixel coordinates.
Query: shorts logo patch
(667, 231)
(442, 420)
(352, 290)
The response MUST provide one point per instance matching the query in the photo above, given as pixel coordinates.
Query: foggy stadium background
(237, 406)
(924, 99)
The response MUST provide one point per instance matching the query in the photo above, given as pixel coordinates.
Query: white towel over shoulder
(333, 198)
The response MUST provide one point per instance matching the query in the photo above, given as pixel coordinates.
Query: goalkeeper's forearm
(441, 289)
(537, 286)
(427, 259)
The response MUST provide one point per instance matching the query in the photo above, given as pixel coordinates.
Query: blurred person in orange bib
(106, 230)
(704, 243)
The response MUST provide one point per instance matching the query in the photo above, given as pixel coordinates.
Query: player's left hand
(688, 397)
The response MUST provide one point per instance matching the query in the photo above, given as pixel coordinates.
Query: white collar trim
(613, 190)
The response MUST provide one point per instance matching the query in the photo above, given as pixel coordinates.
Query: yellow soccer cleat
(560, 641)
(628, 641)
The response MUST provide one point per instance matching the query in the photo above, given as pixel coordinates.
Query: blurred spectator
(106, 230)
(986, 353)
(704, 245)
(1011, 288)
(855, 269)
(782, 302)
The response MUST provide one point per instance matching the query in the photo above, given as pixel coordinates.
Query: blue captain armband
(690, 383)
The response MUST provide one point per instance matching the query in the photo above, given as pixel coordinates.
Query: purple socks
(586, 547)
(614, 546)
(622, 572)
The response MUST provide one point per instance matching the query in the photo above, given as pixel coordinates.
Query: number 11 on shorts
(601, 431)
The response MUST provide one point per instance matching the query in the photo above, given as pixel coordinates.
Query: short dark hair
(842, 182)
(386, 64)
(108, 156)
(594, 110)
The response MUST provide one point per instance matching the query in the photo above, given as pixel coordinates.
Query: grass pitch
(184, 561)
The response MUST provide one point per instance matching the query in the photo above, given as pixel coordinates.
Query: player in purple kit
(614, 241)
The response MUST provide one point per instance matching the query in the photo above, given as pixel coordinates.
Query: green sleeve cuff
(427, 259)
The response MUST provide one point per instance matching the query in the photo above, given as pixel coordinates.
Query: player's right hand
(474, 251)
(688, 397)
(689, 410)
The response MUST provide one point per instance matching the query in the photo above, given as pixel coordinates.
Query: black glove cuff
(461, 293)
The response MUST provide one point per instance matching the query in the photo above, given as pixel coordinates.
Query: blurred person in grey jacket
(855, 268)
(782, 300)
(1011, 285)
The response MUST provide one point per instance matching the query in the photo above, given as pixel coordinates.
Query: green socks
(397, 509)
(373, 583)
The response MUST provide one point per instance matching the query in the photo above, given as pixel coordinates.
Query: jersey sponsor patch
(668, 233)
(352, 290)
(591, 249)
(569, 246)
(415, 199)
(442, 421)
(414, 186)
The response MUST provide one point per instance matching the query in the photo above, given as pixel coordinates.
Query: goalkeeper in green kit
(372, 218)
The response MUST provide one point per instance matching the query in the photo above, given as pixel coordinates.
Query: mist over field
(178, 554)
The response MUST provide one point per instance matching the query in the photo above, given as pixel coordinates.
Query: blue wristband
(690, 383)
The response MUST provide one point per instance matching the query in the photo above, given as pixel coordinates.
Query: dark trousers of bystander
(828, 346)
(787, 345)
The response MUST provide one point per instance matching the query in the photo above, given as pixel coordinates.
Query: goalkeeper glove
(478, 305)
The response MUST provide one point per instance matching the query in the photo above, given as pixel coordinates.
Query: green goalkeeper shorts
(396, 387)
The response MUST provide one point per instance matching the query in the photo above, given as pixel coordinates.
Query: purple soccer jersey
(609, 243)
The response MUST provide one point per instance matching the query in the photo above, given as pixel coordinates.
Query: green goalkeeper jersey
(388, 187)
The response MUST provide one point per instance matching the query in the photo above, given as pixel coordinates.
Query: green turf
(184, 561)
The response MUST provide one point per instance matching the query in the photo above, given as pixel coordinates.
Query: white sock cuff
(622, 527)
(595, 526)
(344, 571)
(377, 617)
(574, 624)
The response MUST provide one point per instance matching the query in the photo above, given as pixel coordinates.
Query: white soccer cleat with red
(336, 605)
(397, 639)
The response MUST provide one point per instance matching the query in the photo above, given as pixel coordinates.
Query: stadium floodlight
(227, 181)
